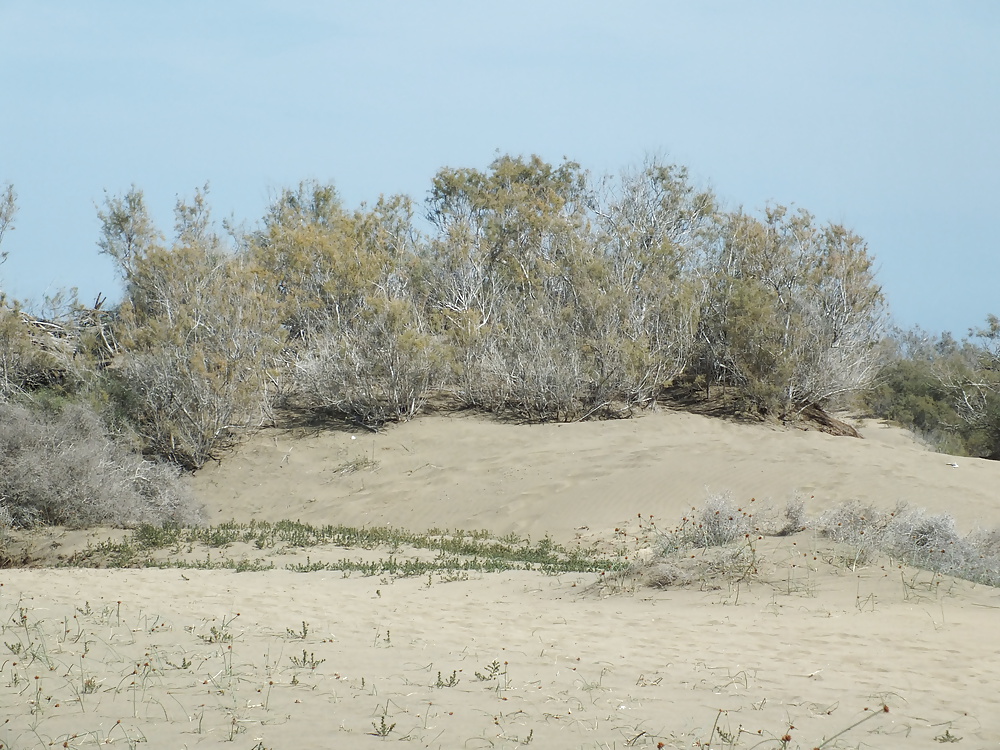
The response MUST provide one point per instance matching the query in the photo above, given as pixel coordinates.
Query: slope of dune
(811, 645)
(466, 472)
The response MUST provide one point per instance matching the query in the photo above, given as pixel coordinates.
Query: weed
(307, 660)
(382, 729)
(947, 736)
(492, 672)
(221, 633)
(497, 673)
(452, 681)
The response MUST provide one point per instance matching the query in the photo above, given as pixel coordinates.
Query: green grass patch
(207, 548)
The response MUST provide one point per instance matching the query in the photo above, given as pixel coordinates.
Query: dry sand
(94, 657)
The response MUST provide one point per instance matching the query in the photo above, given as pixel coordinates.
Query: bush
(917, 538)
(61, 468)
(376, 369)
(792, 313)
(720, 521)
(24, 365)
(198, 336)
(946, 391)
(200, 346)
(526, 368)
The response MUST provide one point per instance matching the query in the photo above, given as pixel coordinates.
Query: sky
(879, 115)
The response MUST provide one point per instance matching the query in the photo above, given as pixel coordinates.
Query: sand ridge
(466, 472)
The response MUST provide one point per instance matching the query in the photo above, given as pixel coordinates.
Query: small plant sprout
(383, 729)
(449, 682)
(492, 671)
(220, 633)
(308, 659)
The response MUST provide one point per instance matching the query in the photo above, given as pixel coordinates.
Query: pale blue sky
(884, 116)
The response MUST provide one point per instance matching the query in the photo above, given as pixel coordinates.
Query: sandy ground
(809, 647)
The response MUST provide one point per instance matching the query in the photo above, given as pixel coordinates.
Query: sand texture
(805, 647)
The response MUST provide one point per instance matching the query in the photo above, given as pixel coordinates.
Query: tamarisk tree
(199, 339)
(792, 315)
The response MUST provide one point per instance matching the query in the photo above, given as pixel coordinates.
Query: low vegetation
(722, 543)
(388, 551)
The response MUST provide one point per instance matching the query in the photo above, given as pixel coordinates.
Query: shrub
(721, 522)
(376, 369)
(526, 368)
(917, 538)
(792, 313)
(61, 468)
(199, 339)
(24, 364)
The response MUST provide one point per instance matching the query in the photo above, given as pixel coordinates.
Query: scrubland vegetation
(531, 291)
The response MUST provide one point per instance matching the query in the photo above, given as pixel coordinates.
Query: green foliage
(978, 392)
(456, 550)
(948, 391)
(305, 258)
(793, 315)
(127, 230)
(8, 210)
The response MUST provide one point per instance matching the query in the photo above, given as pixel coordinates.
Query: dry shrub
(916, 537)
(529, 369)
(24, 364)
(378, 368)
(662, 575)
(719, 522)
(795, 519)
(61, 468)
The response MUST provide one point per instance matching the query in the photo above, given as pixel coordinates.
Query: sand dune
(466, 472)
(214, 658)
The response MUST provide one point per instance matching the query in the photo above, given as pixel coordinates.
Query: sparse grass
(308, 660)
(173, 546)
(220, 633)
